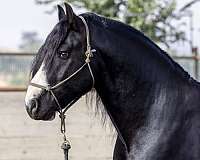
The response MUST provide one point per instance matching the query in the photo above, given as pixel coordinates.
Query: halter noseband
(89, 54)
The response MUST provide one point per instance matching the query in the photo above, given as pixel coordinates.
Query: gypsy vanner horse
(152, 102)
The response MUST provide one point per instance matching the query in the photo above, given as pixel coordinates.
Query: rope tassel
(66, 146)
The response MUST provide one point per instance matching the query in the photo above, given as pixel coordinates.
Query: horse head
(60, 72)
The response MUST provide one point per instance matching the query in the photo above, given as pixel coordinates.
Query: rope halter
(89, 54)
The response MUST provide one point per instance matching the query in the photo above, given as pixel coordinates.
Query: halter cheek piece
(50, 89)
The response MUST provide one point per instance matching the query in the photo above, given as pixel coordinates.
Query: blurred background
(174, 25)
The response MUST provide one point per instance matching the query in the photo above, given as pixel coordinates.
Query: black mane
(52, 42)
(130, 32)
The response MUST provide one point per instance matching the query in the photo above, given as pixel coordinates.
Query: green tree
(155, 18)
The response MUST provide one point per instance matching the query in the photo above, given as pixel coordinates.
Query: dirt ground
(22, 138)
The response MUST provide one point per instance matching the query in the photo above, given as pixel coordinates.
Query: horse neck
(134, 91)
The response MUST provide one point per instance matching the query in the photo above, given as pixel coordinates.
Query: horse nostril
(33, 104)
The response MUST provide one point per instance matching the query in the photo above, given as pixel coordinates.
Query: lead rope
(66, 144)
(89, 53)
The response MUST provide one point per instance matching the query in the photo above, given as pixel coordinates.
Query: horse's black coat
(152, 101)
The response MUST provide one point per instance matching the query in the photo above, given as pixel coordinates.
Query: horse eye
(64, 55)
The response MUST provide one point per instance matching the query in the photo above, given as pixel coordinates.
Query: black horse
(152, 102)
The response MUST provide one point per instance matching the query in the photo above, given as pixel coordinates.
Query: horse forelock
(48, 49)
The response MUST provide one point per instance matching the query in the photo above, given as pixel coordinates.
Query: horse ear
(69, 13)
(61, 12)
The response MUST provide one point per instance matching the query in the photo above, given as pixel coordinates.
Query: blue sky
(23, 15)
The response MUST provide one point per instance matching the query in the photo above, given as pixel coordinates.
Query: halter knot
(48, 88)
(89, 54)
(66, 145)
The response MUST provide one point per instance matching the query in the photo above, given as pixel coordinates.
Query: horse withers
(150, 99)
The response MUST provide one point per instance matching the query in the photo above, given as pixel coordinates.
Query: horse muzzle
(35, 112)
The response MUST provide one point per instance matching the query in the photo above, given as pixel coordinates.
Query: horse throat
(127, 103)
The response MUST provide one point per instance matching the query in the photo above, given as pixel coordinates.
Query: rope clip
(62, 125)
